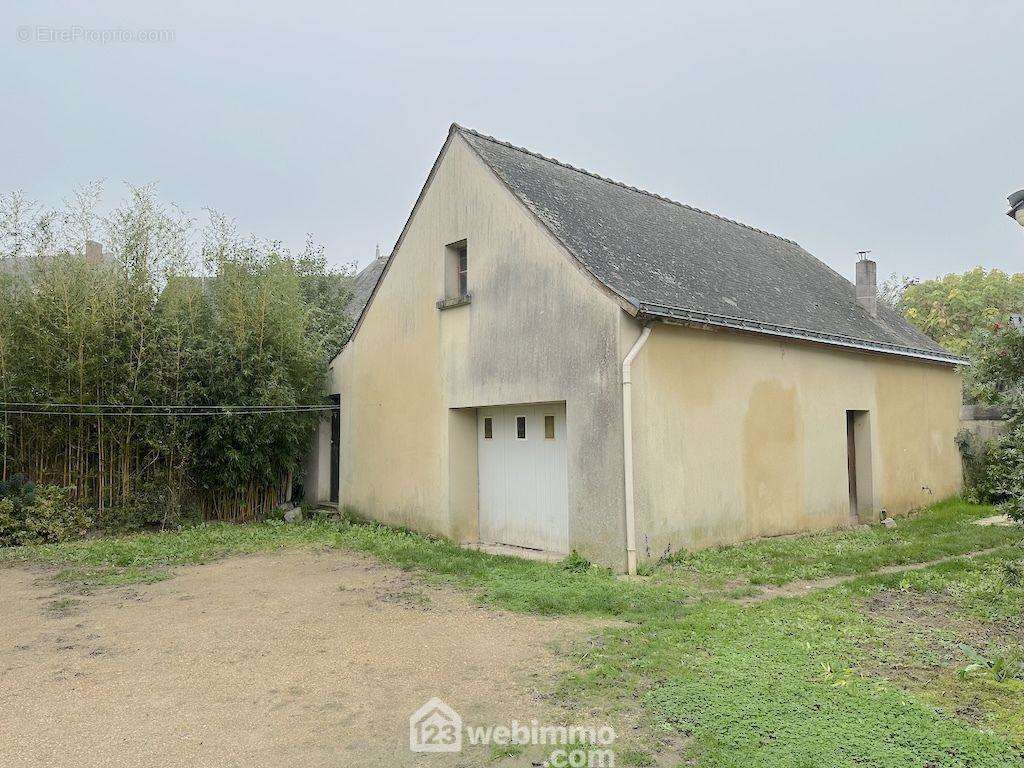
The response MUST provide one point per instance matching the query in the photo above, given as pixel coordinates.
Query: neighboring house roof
(366, 281)
(676, 262)
(1016, 201)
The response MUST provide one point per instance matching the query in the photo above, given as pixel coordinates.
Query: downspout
(627, 447)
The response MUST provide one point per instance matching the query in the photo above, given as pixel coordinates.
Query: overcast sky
(891, 126)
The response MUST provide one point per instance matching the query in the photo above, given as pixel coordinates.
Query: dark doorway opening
(858, 464)
(851, 461)
(335, 446)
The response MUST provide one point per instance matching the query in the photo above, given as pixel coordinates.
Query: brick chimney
(867, 284)
(93, 252)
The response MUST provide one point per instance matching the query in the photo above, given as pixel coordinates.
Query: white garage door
(524, 499)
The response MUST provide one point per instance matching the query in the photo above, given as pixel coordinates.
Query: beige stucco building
(556, 361)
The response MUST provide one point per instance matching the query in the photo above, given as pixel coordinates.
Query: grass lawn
(946, 529)
(922, 668)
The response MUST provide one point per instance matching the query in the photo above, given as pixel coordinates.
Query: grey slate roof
(366, 281)
(673, 261)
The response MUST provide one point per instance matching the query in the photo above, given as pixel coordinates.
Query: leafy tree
(999, 365)
(953, 309)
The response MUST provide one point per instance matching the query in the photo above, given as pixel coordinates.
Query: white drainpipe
(627, 447)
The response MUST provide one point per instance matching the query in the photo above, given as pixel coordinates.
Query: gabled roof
(675, 262)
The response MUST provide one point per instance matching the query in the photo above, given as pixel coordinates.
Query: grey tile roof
(677, 262)
(366, 281)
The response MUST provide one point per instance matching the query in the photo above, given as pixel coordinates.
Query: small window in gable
(488, 428)
(549, 427)
(456, 268)
(520, 427)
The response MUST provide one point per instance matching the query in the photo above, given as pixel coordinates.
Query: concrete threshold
(513, 551)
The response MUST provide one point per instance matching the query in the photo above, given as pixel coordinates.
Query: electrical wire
(91, 410)
(164, 407)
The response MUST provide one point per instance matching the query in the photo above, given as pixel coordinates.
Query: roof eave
(678, 315)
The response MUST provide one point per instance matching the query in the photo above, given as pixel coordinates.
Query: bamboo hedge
(167, 316)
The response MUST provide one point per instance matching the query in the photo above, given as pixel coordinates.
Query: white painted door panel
(524, 498)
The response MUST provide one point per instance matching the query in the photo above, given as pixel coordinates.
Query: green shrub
(981, 468)
(123, 518)
(40, 515)
(10, 523)
(994, 469)
(153, 507)
(54, 517)
(1009, 462)
(16, 494)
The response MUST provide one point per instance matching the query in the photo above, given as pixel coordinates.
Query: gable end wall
(537, 330)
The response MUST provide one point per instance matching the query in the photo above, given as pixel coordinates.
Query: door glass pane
(549, 427)
(520, 427)
(488, 428)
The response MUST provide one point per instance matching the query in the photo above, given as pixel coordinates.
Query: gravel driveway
(311, 658)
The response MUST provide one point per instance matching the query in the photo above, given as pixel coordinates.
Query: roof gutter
(693, 317)
(627, 447)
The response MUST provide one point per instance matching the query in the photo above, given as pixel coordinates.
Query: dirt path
(805, 586)
(299, 658)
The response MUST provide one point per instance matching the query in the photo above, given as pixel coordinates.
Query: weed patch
(951, 634)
